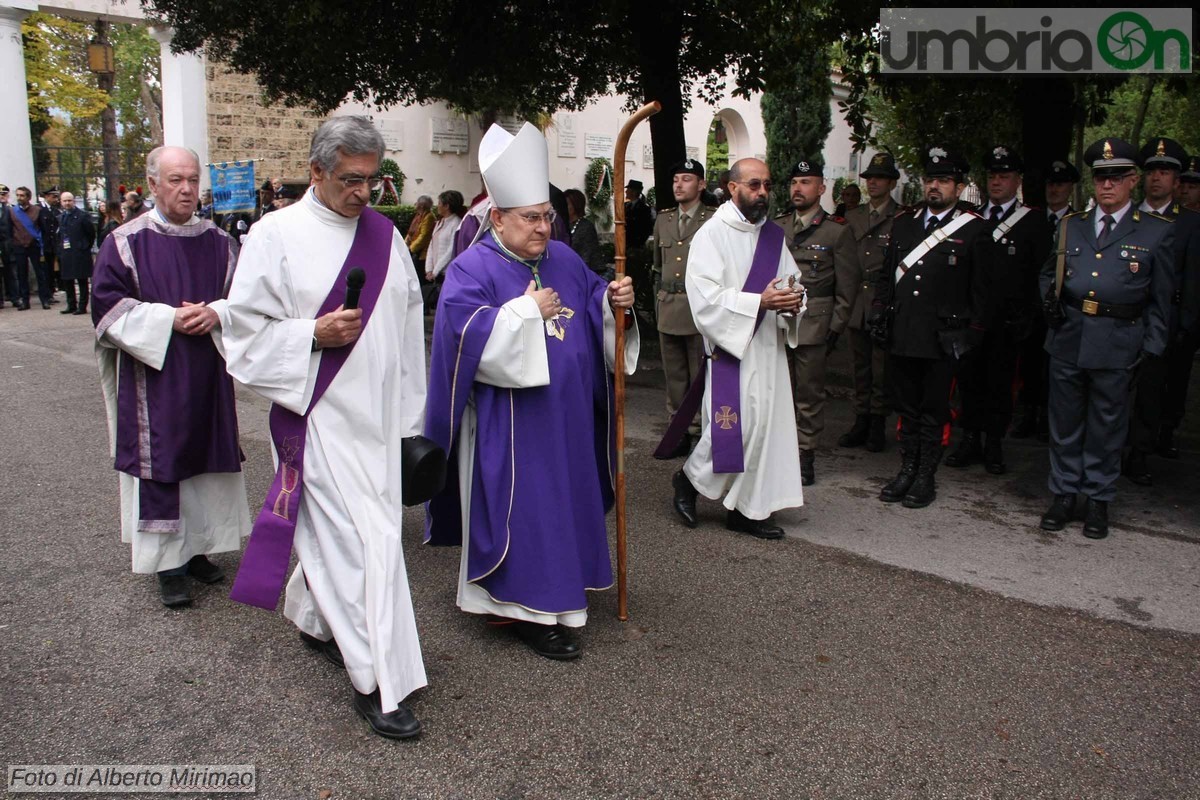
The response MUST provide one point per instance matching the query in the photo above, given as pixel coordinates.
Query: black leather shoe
(875, 435)
(79, 312)
(205, 571)
(967, 453)
(1060, 512)
(23, 305)
(397, 724)
(758, 528)
(330, 649)
(173, 589)
(68, 310)
(993, 456)
(45, 306)
(1137, 470)
(685, 499)
(1166, 444)
(808, 470)
(857, 435)
(1095, 520)
(548, 641)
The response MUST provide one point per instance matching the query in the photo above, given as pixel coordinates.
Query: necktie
(683, 220)
(996, 212)
(1108, 221)
(929, 226)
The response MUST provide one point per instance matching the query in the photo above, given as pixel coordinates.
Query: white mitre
(516, 169)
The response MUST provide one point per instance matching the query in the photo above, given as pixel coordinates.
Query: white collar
(1145, 206)
(1117, 215)
(1004, 207)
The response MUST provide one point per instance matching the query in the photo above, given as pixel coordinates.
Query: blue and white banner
(234, 189)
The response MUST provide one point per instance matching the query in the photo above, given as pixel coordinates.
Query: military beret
(689, 166)
(807, 169)
(1062, 172)
(882, 165)
(1003, 159)
(1191, 173)
(1163, 153)
(1111, 156)
(939, 163)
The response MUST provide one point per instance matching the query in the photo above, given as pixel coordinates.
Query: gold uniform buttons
(1091, 294)
(1099, 255)
(1095, 274)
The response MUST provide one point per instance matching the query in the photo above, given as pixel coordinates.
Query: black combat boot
(1095, 519)
(910, 455)
(993, 456)
(875, 435)
(808, 471)
(924, 490)
(967, 453)
(857, 435)
(1136, 468)
(1166, 443)
(1061, 511)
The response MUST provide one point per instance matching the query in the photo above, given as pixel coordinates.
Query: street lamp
(102, 63)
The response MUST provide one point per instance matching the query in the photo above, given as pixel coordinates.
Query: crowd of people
(504, 427)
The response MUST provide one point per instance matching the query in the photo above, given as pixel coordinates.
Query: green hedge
(401, 216)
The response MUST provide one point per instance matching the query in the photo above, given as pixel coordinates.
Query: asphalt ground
(876, 652)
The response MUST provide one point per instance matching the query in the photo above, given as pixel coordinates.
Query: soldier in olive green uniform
(681, 345)
(827, 264)
(871, 225)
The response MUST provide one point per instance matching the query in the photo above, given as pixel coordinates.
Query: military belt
(1095, 308)
(673, 287)
(819, 292)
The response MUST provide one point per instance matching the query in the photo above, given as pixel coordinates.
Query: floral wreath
(598, 188)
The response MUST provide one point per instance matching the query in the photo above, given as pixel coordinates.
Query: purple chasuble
(180, 421)
(726, 427)
(542, 478)
(466, 233)
(263, 570)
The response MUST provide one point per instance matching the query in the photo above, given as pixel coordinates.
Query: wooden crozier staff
(619, 376)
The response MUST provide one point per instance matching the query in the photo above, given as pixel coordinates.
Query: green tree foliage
(796, 115)
(56, 69)
(1171, 112)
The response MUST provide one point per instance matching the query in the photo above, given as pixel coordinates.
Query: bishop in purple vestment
(158, 289)
(520, 395)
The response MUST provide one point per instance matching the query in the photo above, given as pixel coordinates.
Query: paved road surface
(952, 652)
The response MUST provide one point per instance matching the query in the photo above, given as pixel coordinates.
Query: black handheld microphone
(354, 283)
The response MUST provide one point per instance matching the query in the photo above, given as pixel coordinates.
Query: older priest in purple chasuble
(158, 289)
(521, 398)
(347, 387)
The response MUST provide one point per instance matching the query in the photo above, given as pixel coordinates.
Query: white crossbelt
(931, 241)
(1007, 225)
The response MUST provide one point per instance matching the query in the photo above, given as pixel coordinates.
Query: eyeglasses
(355, 181)
(533, 218)
(1112, 180)
(756, 185)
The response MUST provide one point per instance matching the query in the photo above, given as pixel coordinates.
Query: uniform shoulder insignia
(1074, 214)
(1151, 214)
(836, 218)
(971, 213)
(784, 215)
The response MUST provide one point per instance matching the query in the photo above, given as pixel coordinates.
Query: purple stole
(263, 571)
(726, 425)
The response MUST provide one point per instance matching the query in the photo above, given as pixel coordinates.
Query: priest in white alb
(746, 301)
(158, 289)
(348, 385)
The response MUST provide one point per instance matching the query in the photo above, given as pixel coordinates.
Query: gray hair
(425, 200)
(352, 136)
(155, 157)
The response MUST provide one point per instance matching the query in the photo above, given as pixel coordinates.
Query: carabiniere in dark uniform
(1107, 314)
(1019, 239)
(931, 308)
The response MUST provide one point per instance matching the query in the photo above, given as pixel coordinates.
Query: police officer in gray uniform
(827, 265)
(681, 345)
(1158, 382)
(1107, 314)
(871, 226)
